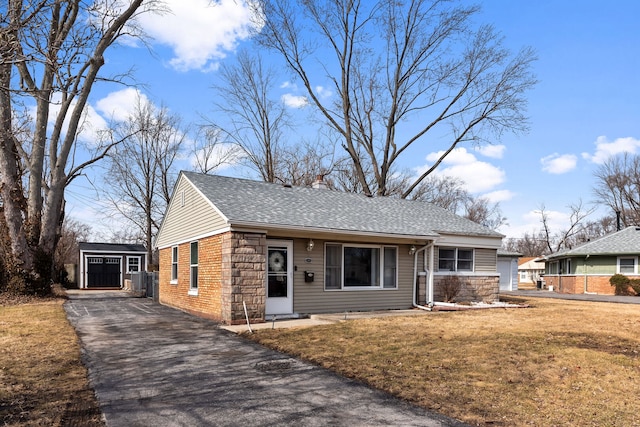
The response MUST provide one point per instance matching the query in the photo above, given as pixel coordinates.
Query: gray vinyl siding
(196, 218)
(312, 298)
(484, 260)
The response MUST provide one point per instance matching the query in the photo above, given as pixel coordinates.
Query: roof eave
(321, 230)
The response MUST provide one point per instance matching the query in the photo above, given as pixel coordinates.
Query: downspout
(585, 274)
(429, 283)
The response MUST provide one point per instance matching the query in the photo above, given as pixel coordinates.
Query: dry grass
(42, 380)
(558, 363)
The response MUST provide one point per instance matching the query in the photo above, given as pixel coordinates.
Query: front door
(279, 277)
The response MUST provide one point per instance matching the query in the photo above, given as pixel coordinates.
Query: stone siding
(474, 289)
(243, 266)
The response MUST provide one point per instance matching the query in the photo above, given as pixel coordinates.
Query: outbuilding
(107, 265)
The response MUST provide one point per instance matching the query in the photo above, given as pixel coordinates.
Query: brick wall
(207, 303)
(231, 270)
(567, 284)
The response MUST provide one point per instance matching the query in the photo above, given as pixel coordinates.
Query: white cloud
(288, 85)
(493, 151)
(323, 92)
(223, 155)
(559, 163)
(89, 126)
(477, 176)
(606, 149)
(120, 105)
(200, 32)
(294, 101)
(499, 196)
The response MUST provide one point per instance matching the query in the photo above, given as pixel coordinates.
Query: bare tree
(532, 244)
(565, 239)
(443, 191)
(406, 73)
(482, 211)
(257, 122)
(51, 54)
(141, 171)
(211, 150)
(618, 186)
(449, 193)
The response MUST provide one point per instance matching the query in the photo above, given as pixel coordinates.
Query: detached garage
(107, 265)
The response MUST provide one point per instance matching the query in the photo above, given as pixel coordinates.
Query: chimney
(319, 183)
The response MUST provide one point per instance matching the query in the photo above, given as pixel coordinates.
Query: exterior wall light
(310, 245)
(412, 250)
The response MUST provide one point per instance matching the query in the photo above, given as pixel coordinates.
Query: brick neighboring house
(292, 251)
(588, 267)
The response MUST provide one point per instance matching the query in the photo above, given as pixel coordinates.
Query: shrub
(621, 283)
(451, 286)
(635, 285)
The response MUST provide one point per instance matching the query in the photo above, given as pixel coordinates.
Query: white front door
(279, 277)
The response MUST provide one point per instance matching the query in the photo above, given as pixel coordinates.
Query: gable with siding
(189, 216)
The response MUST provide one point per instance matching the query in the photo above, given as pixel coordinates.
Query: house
(508, 269)
(586, 269)
(228, 243)
(530, 271)
(107, 265)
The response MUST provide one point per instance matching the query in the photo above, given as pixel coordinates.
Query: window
(455, 259)
(360, 266)
(627, 265)
(133, 264)
(174, 264)
(193, 284)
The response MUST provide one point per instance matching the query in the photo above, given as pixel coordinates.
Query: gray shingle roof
(246, 202)
(625, 241)
(111, 247)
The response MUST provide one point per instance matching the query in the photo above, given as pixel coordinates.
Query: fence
(145, 283)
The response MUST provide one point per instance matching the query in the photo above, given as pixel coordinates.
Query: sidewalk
(320, 319)
(578, 297)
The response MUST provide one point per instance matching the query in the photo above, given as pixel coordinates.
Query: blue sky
(585, 107)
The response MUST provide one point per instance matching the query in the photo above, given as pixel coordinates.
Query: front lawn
(42, 379)
(557, 363)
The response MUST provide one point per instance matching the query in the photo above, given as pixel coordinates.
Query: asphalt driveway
(151, 365)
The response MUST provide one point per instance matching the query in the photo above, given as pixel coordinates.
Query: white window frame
(456, 259)
(380, 266)
(635, 264)
(174, 265)
(193, 290)
(137, 258)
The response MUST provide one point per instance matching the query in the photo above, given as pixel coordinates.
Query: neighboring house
(530, 271)
(107, 265)
(588, 267)
(508, 269)
(226, 243)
